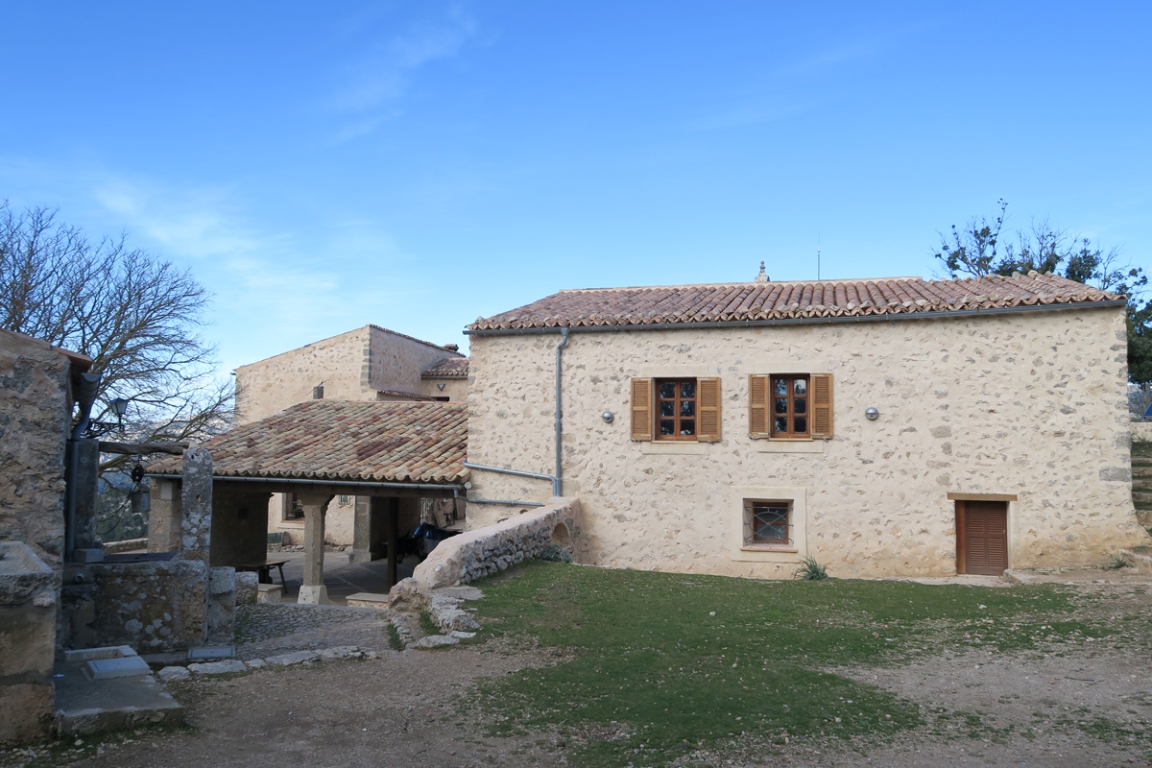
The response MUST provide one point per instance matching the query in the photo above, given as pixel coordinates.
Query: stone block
(340, 652)
(296, 657)
(313, 595)
(230, 666)
(211, 653)
(407, 595)
(255, 663)
(89, 555)
(373, 600)
(173, 674)
(247, 588)
(435, 641)
(125, 666)
(269, 593)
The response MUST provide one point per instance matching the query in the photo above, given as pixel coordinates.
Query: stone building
(367, 364)
(884, 427)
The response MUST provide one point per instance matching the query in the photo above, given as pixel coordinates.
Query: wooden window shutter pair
(707, 407)
(759, 405)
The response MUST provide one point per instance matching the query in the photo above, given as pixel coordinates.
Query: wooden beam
(142, 448)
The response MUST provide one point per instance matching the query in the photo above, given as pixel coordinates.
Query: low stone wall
(493, 548)
(151, 606)
(1142, 431)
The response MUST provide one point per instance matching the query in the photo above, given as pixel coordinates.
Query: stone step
(1139, 497)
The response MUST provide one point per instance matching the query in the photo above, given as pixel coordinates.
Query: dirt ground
(1083, 705)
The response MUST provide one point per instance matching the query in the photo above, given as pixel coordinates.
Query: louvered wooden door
(982, 541)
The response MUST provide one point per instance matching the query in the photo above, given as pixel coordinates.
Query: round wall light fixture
(872, 414)
(608, 417)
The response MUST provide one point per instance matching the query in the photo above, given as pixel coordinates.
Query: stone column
(315, 506)
(364, 533)
(196, 505)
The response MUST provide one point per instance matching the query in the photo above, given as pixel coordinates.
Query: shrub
(554, 553)
(1115, 563)
(810, 570)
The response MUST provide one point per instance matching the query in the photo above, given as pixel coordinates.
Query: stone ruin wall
(1030, 404)
(34, 421)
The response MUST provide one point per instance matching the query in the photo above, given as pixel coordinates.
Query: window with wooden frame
(767, 523)
(686, 409)
(790, 406)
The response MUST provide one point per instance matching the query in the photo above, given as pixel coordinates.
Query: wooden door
(982, 537)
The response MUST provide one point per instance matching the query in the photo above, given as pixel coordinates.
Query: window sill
(690, 447)
(789, 446)
(768, 548)
(290, 523)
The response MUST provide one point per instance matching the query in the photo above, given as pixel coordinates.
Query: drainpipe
(559, 409)
(86, 396)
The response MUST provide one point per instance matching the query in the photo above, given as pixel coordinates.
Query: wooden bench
(264, 571)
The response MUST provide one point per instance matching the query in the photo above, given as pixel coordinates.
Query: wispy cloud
(376, 81)
(271, 289)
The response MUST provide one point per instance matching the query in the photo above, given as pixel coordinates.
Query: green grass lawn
(656, 663)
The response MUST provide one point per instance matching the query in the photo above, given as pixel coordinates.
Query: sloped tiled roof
(417, 442)
(448, 368)
(743, 302)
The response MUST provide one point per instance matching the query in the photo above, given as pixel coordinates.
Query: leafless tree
(136, 316)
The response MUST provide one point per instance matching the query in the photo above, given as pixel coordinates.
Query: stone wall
(1031, 406)
(34, 418)
(483, 551)
(151, 606)
(27, 643)
(1142, 431)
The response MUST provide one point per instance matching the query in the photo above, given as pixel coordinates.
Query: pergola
(393, 453)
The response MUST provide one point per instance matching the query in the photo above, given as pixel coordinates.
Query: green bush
(554, 553)
(810, 570)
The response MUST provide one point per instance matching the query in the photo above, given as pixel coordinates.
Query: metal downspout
(559, 410)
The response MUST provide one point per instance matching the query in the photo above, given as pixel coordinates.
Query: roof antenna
(817, 256)
(763, 276)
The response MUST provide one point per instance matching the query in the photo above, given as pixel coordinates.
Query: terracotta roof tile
(740, 302)
(417, 442)
(448, 368)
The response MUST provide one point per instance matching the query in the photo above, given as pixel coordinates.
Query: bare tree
(136, 316)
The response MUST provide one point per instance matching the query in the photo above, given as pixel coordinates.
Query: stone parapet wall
(151, 606)
(1142, 431)
(27, 643)
(493, 548)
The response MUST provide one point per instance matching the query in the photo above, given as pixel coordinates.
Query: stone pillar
(365, 533)
(393, 509)
(196, 505)
(315, 506)
(164, 519)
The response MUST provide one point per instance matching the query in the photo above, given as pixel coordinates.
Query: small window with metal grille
(344, 500)
(767, 523)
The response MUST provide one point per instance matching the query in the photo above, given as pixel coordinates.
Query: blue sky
(319, 166)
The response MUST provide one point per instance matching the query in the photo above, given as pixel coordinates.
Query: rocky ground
(1084, 705)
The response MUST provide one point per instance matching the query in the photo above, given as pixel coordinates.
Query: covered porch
(390, 455)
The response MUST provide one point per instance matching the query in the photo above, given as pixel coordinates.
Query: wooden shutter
(821, 405)
(708, 407)
(641, 409)
(758, 388)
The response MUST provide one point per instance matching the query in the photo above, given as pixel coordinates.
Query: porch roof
(346, 441)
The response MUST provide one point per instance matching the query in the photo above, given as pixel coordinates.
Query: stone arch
(561, 536)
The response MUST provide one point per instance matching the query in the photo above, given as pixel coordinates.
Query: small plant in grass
(1115, 563)
(394, 638)
(810, 570)
(554, 553)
